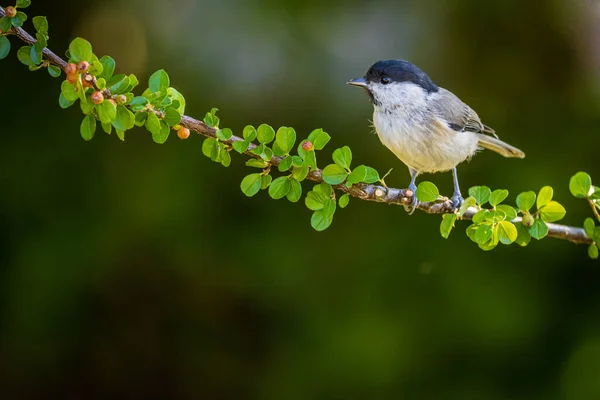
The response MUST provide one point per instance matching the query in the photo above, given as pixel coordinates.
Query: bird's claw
(457, 201)
(410, 209)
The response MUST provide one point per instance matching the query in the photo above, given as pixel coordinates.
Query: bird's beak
(358, 82)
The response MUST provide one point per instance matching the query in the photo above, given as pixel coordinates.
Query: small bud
(70, 69)
(307, 146)
(72, 78)
(97, 97)
(113, 102)
(121, 99)
(10, 11)
(528, 220)
(83, 66)
(177, 127)
(183, 133)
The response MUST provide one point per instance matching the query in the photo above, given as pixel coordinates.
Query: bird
(426, 126)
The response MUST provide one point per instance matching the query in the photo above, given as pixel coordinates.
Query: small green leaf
(266, 181)
(41, 24)
(23, 3)
(285, 139)
(4, 47)
(310, 159)
(159, 81)
(471, 231)
(141, 118)
(539, 229)
(427, 192)
(300, 173)
(24, 55)
(495, 216)
(315, 201)
(334, 174)
(580, 185)
(483, 234)
(162, 136)
(54, 71)
(507, 232)
(481, 194)
(174, 93)
(469, 202)
(107, 128)
(265, 134)
(118, 84)
(498, 196)
(526, 200)
(138, 103)
(285, 164)
(63, 102)
(241, 146)
(523, 236)
(295, 192)
(108, 67)
(5, 24)
(509, 211)
(322, 219)
(224, 134)
(344, 200)
(211, 118)
(544, 197)
(172, 117)
(80, 50)
(124, 119)
(343, 157)
(319, 138)
(210, 148)
(480, 216)
(107, 112)
(593, 251)
(371, 175)
(18, 20)
(447, 224)
(120, 134)
(255, 163)
(589, 227)
(251, 184)
(225, 157)
(279, 188)
(88, 127)
(359, 174)
(153, 123)
(552, 212)
(249, 133)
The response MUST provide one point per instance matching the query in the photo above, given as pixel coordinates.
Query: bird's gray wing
(459, 116)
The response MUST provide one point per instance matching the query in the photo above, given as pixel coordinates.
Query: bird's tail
(504, 149)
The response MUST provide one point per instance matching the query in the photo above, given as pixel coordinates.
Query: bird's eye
(386, 80)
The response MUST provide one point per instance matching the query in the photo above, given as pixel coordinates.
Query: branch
(376, 193)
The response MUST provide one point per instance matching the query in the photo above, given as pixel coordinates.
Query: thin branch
(376, 193)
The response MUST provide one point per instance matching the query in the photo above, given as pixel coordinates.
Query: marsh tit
(427, 127)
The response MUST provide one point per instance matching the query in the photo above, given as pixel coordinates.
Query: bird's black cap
(400, 71)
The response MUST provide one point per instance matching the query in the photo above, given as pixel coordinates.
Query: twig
(366, 192)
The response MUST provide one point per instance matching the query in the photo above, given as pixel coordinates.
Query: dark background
(133, 270)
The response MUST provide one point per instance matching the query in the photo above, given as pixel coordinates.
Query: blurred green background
(133, 270)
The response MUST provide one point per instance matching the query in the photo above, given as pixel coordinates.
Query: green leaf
(315, 201)
(162, 136)
(141, 118)
(498, 196)
(344, 201)
(266, 181)
(523, 236)
(63, 102)
(5, 24)
(471, 231)
(295, 192)
(319, 138)
(495, 216)
(225, 157)
(371, 175)
(120, 134)
(4, 47)
(544, 197)
(241, 146)
(108, 67)
(469, 202)
(80, 50)
(580, 185)
(41, 42)
(483, 234)
(552, 212)
(427, 192)
(210, 148)
(285, 164)
(153, 123)
(224, 134)
(138, 103)
(589, 227)
(593, 251)
(41, 24)
(481, 194)
(479, 216)
(539, 229)
(107, 128)
(54, 71)
(88, 127)
(118, 84)
(172, 117)
(507, 232)
(159, 81)
(359, 174)
(23, 3)
(211, 118)
(311, 160)
(526, 200)
(256, 163)
(249, 133)
(285, 139)
(24, 55)
(322, 219)
(334, 174)
(509, 211)
(251, 184)
(597, 234)
(343, 157)
(107, 112)
(300, 173)
(447, 224)
(124, 119)
(279, 188)
(177, 97)
(265, 134)
(18, 20)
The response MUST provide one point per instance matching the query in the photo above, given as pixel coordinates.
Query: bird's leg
(457, 198)
(415, 203)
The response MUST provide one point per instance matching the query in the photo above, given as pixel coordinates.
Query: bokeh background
(133, 270)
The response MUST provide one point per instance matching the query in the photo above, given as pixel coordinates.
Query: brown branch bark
(366, 192)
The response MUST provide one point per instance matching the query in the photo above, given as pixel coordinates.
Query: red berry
(97, 97)
(72, 78)
(10, 11)
(307, 146)
(70, 69)
(183, 133)
(83, 66)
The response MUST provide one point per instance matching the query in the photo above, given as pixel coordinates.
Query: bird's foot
(457, 200)
(410, 209)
